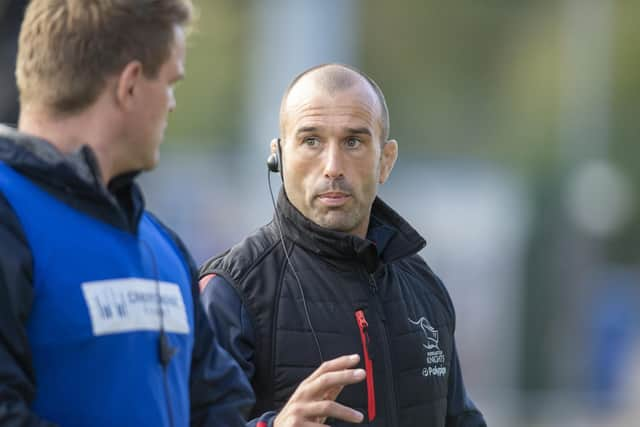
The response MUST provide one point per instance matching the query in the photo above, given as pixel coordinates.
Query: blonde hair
(68, 48)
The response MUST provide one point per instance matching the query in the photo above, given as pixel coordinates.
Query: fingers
(302, 413)
(332, 394)
(337, 364)
(329, 409)
(326, 384)
(313, 400)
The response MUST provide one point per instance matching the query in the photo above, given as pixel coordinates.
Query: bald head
(332, 79)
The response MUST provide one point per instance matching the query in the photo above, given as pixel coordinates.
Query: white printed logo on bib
(134, 304)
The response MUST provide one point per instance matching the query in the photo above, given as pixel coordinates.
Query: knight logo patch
(436, 362)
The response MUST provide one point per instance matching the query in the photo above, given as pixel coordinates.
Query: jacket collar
(398, 238)
(74, 178)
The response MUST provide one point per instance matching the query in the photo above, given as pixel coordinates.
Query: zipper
(373, 287)
(393, 399)
(363, 326)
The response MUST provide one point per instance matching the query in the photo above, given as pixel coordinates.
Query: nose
(333, 162)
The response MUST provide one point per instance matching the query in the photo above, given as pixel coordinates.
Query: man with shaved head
(335, 280)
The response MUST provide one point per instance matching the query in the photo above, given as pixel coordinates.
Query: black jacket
(255, 302)
(219, 392)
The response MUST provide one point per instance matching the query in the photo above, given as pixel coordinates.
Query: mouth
(334, 198)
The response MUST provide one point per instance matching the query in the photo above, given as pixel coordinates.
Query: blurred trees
(211, 99)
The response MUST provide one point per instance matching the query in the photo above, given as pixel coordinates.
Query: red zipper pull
(363, 326)
(362, 321)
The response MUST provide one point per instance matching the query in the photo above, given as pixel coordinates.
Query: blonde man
(100, 323)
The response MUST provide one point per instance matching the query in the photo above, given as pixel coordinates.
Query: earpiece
(273, 161)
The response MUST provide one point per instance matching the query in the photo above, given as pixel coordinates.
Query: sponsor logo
(133, 304)
(436, 361)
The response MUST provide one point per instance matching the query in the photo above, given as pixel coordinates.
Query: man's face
(156, 99)
(332, 154)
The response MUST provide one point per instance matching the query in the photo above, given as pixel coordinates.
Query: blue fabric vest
(94, 325)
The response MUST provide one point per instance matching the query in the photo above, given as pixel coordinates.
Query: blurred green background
(517, 123)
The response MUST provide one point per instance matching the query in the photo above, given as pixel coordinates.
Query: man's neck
(361, 230)
(69, 133)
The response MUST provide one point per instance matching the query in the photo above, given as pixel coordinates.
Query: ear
(128, 83)
(274, 146)
(388, 159)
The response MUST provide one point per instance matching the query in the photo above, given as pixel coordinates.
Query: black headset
(273, 161)
(274, 164)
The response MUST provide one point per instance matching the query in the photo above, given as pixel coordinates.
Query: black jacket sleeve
(230, 321)
(220, 392)
(232, 325)
(461, 411)
(17, 379)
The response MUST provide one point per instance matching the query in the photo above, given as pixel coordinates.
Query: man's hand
(314, 399)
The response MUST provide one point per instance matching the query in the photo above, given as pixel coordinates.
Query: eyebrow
(359, 131)
(307, 129)
(353, 131)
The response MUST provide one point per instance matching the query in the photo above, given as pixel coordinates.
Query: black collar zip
(398, 239)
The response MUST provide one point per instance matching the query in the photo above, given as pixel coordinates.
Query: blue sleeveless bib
(100, 295)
